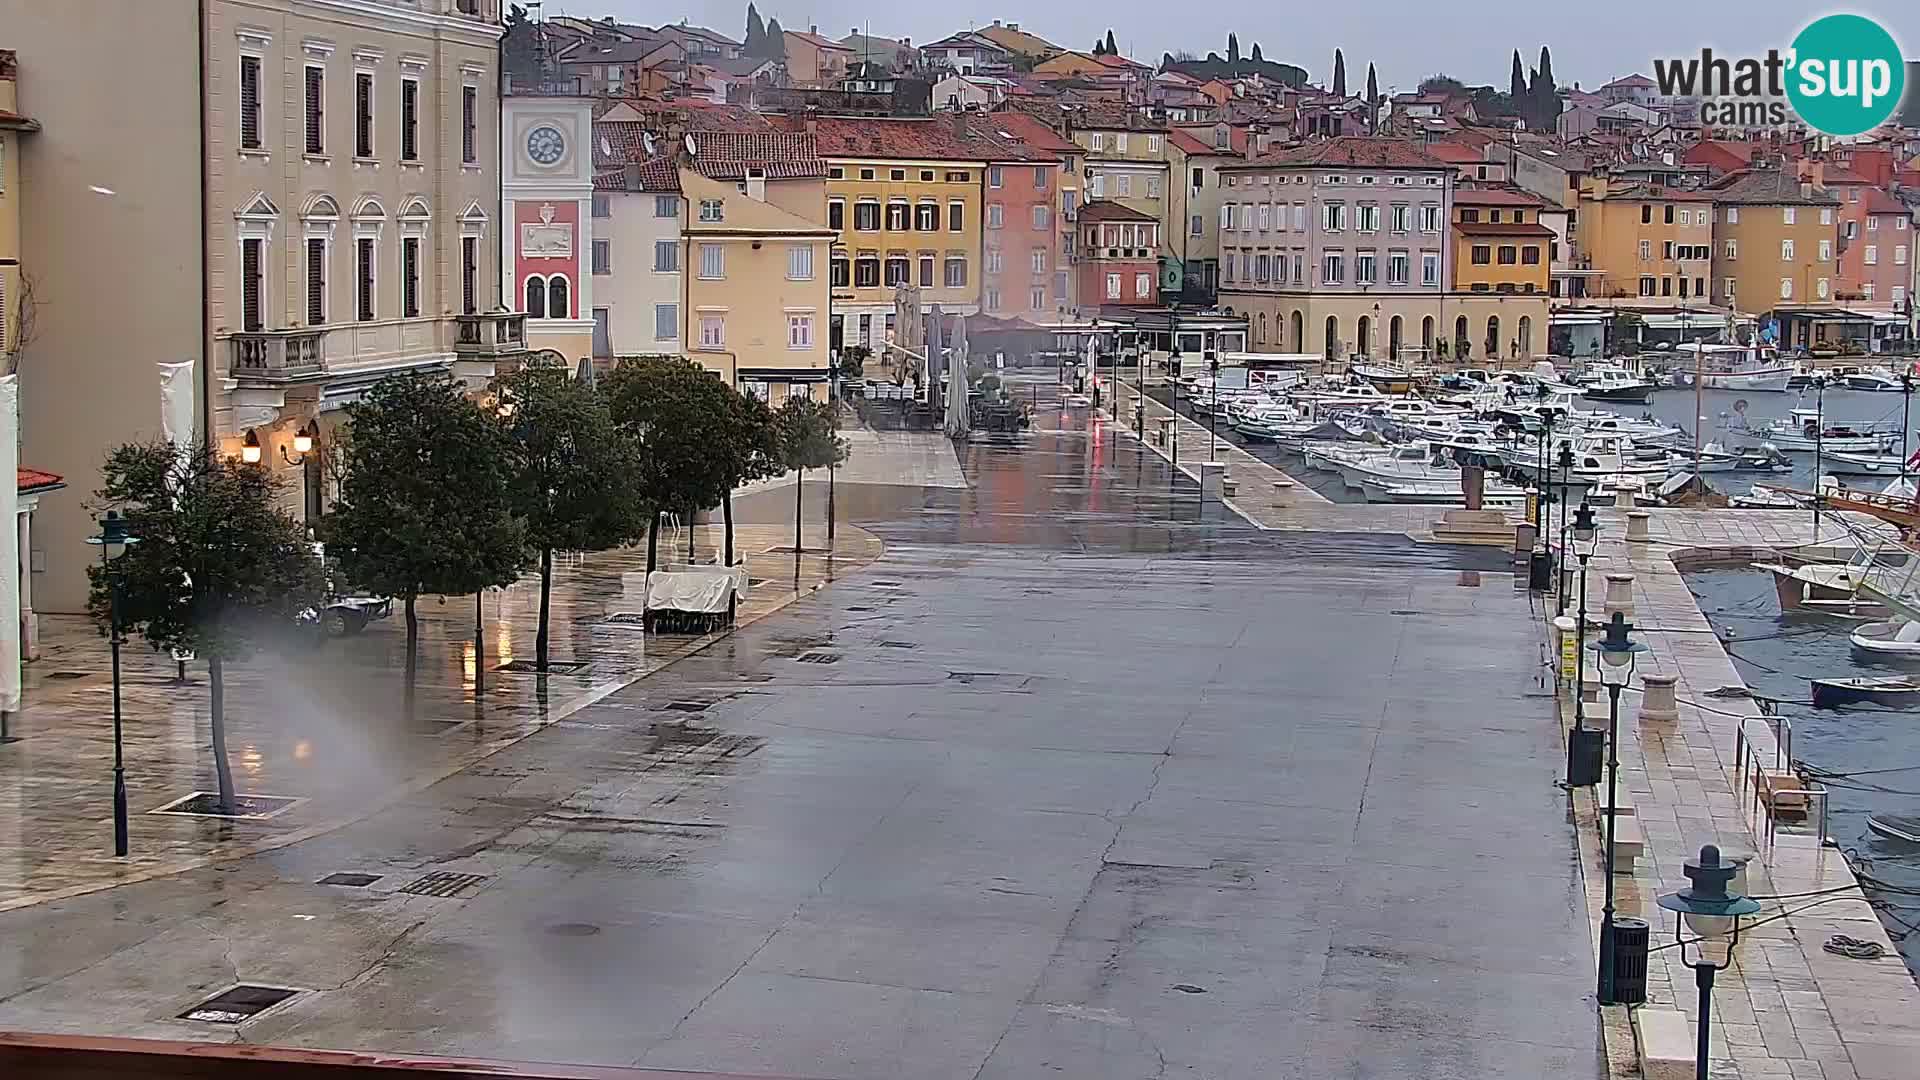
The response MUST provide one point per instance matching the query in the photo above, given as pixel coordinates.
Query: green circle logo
(1847, 75)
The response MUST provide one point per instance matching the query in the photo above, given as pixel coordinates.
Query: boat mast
(1699, 384)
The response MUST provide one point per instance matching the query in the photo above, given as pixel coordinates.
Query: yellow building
(1500, 246)
(1652, 244)
(1127, 160)
(904, 200)
(12, 126)
(1774, 241)
(756, 283)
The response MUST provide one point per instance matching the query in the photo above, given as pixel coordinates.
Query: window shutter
(410, 120)
(316, 111)
(250, 282)
(364, 258)
(250, 102)
(410, 277)
(469, 107)
(363, 115)
(316, 282)
(469, 273)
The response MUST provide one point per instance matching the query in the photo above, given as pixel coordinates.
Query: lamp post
(1616, 668)
(1819, 439)
(1906, 418)
(305, 441)
(1173, 406)
(114, 534)
(1586, 538)
(1566, 495)
(1213, 414)
(1140, 394)
(1713, 911)
(833, 402)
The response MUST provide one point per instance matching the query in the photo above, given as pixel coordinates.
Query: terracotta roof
(727, 155)
(1767, 187)
(1454, 153)
(1658, 193)
(1108, 210)
(1021, 127)
(817, 41)
(936, 139)
(1119, 62)
(1495, 196)
(1352, 151)
(1635, 79)
(1502, 228)
(35, 480)
(1840, 174)
(657, 174)
(1878, 201)
(15, 120)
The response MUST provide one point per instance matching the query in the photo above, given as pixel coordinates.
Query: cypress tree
(1112, 49)
(1517, 83)
(1339, 74)
(1233, 48)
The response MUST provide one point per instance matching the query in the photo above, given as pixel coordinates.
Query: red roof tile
(972, 138)
(35, 480)
(1354, 151)
(727, 155)
(1495, 196)
(1879, 201)
(1454, 153)
(1502, 228)
(1023, 127)
(1108, 210)
(657, 174)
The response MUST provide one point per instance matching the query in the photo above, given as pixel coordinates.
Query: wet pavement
(1081, 779)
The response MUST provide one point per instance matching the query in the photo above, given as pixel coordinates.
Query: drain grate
(554, 667)
(818, 657)
(350, 881)
(685, 706)
(247, 807)
(898, 645)
(68, 674)
(238, 1005)
(445, 885)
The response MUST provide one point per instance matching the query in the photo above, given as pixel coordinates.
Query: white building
(637, 243)
(546, 194)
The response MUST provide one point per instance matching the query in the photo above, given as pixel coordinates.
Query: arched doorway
(1363, 340)
(1526, 336)
(1426, 336)
(1462, 345)
(1393, 338)
(1493, 337)
(1299, 331)
(1333, 338)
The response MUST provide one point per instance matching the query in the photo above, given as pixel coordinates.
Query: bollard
(1657, 701)
(1211, 473)
(1229, 487)
(1623, 498)
(1619, 597)
(1166, 428)
(1637, 526)
(1565, 640)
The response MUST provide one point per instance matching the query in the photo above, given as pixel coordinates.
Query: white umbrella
(958, 424)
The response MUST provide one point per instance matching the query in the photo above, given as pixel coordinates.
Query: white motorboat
(1875, 380)
(1802, 431)
(1412, 463)
(1846, 463)
(1593, 458)
(1616, 384)
(1747, 368)
(1824, 588)
(1264, 423)
(1494, 496)
(1894, 639)
(1762, 497)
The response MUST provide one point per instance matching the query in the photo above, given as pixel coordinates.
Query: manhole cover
(898, 645)
(350, 881)
(68, 674)
(238, 1005)
(685, 706)
(248, 807)
(530, 667)
(443, 884)
(624, 618)
(818, 657)
(573, 929)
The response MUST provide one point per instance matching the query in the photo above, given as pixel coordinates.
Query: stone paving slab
(328, 726)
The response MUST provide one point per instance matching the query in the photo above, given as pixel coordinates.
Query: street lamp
(115, 537)
(250, 448)
(1819, 440)
(305, 441)
(1173, 407)
(1213, 414)
(1906, 418)
(1566, 487)
(1617, 650)
(1713, 911)
(1586, 539)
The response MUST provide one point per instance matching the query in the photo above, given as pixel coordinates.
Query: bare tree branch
(26, 308)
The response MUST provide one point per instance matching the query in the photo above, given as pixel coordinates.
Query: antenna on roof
(606, 148)
(646, 141)
(692, 150)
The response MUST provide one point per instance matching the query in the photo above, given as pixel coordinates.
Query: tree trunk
(413, 656)
(217, 721)
(691, 515)
(799, 486)
(546, 593)
(726, 511)
(653, 542)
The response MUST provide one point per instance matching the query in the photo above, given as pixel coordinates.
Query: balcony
(272, 357)
(490, 335)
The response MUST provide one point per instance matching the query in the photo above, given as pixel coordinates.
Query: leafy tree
(520, 47)
(1112, 50)
(1233, 48)
(1256, 53)
(776, 41)
(217, 568)
(570, 470)
(1517, 82)
(806, 434)
(425, 503)
(1442, 84)
(756, 42)
(696, 437)
(1339, 73)
(853, 362)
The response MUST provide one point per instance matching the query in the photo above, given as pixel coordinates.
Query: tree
(756, 42)
(1256, 52)
(806, 434)
(696, 437)
(520, 47)
(1373, 100)
(776, 42)
(217, 569)
(1517, 82)
(425, 505)
(1233, 48)
(1112, 50)
(1339, 74)
(853, 362)
(1546, 95)
(571, 466)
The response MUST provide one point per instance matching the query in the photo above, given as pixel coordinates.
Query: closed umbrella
(958, 424)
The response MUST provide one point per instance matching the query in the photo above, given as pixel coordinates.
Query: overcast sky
(1472, 40)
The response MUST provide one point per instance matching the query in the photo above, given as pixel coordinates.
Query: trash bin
(1540, 572)
(1630, 947)
(1585, 748)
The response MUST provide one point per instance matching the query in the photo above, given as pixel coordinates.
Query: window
(1430, 218)
(1334, 217)
(1332, 268)
(1733, 249)
(1900, 255)
(713, 261)
(713, 210)
(1402, 217)
(1396, 268)
(1262, 267)
(1666, 286)
(994, 215)
(666, 256)
(1429, 268)
(1042, 216)
(713, 331)
(410, 277)
(469, 274)
(1039, 261)
(316, 281)
(926, 217)
(1469, 214)
(1040, 180)
(666, 206)
(1142, 286)
(1113, 286)
(1646, 213)
(897, 174)
(866, 216)
(836, 172)
(991, 298)
(1826, 217)
(1096, 186)
(1530, 255)
(1871, 256)
(537, 297)
(1153, 187)
(836, 213)
(602, 206)
(1123, 184)
(839, 272)
(800, 262)
(1363, 268)
(363, 114)
(1647, 286)
(1787, 214)
(1197, 226)
(1299, 268)
(1646, 251)
(409, 120)
(1786, 288)
(1826, 250)
(666, 322)
(962, 177)
(956, 272)
(1264, 216)
(1733, 215)
(316, 110)
(956, 217)
(363, 279)
(896, 271)
(799, 331)
(898, 213)
(469, 124)
(1037, 298)
(1866, 290)
(1666, 250)
(926, 271)
(866, 272)
(1097, 140)
(1731, 286)
(1786, 248)
(1246, 217)
(1120, 143)
(1899, 294)
(1482, 255)
(1853, 229)
(1369, 217)
(252, 285)
(602, 256)
(250, 102)
(1899, 224)
(1153, 144)
(1226, 217)
(993, 176)
(1820, 288)
(1668, 215)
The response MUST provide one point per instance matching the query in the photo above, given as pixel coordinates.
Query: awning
(1696, 321)
(784, 375)
(1576, 319)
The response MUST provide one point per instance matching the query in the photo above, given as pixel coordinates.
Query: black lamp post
(306, 442)
(833, 402)
(1173, 406)
(1616, 668)
(1906, 418)
(1819, 439)
(114, 535)
(1586, 538)
(1213, 414)
(1566, 494)
(1711, 909)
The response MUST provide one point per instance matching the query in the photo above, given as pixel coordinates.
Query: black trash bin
(1585, 748)
(1540, 572)
(1630, 947)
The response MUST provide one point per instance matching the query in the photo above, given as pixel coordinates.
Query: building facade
(546, 204)
(1020, 249)
(1119, 264)
(637, 241)
(1775, 240)
(1650, 245)
(1338, 247)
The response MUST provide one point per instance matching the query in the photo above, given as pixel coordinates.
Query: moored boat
(1894, 639)
(1894, 691)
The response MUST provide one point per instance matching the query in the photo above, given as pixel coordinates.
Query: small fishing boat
(1851, 463)
(1803, 431)
(1618, 386)
(1894, 639)
(1895, 691)
(1896, 826)
(1876, 380)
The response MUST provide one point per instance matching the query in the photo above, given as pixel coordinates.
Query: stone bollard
(1657, 701)
(1637, 526)
(1211, 473)
(1565, 639)
(1623, 498)
(1166, 428)
(1229, 487)
(1619, 597)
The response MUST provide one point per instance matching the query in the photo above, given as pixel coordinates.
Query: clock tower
(546, 190)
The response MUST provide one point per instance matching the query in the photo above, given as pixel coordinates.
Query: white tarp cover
(179, 401)
(704, 591)
(10, 646)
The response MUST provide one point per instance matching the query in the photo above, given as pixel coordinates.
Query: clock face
(545, 145)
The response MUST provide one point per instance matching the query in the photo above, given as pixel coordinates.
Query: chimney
(996, 22)
(1253, 141)
(1013, 26)
(1806, 189)
(813, 29)
(960, 122)
(813, 120)
(906, 43)
(757, 185)
(633, 176)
